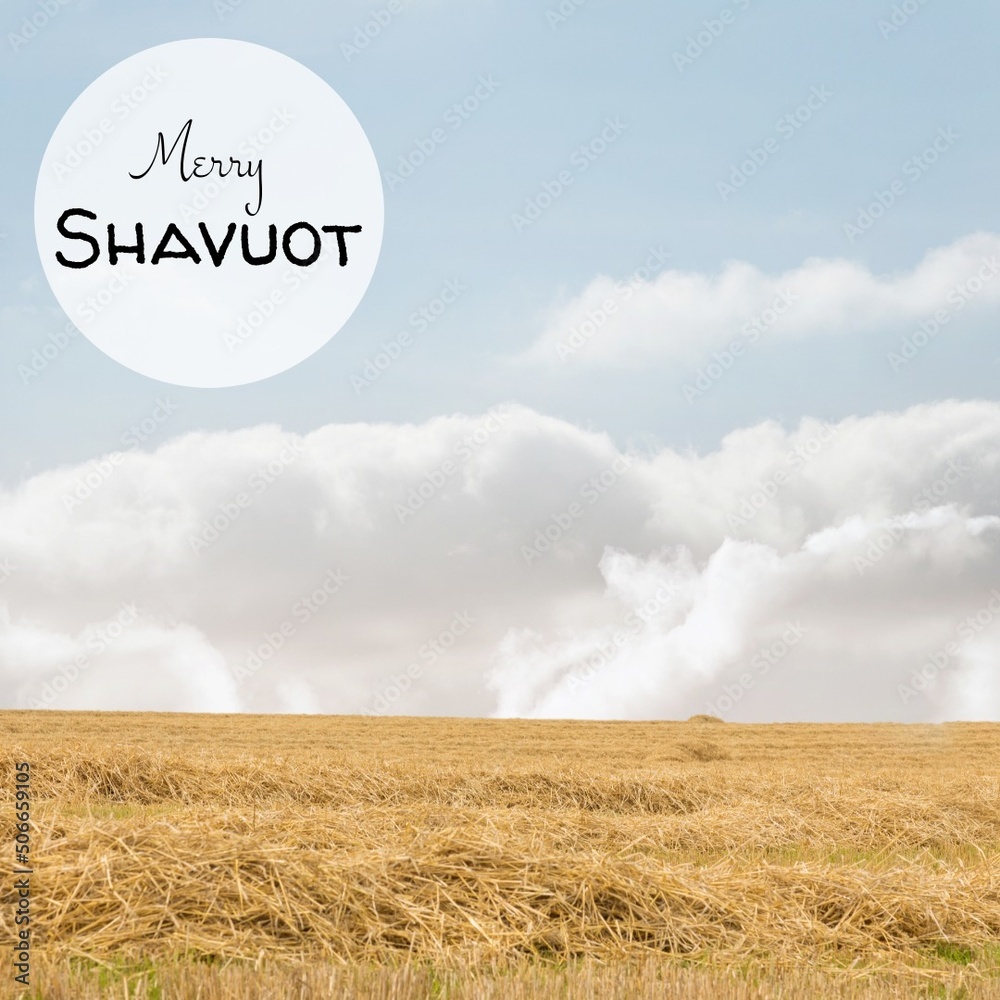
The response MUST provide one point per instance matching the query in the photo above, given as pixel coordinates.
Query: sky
(699, 255)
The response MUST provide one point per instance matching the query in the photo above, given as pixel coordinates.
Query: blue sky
(833, 477)
(655, 186)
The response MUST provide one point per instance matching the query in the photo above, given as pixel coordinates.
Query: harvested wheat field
(314, 857)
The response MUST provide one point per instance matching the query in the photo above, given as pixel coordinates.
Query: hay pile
(296, 887)
(310, 841)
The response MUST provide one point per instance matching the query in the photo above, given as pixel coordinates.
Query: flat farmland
(322, 856)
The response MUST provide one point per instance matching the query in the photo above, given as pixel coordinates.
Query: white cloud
(480, 565)
(684, 315)
(765, 636)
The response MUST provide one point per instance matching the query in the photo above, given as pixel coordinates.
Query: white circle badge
(209, 212)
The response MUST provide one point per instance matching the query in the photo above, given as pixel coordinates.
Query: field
(182, 856)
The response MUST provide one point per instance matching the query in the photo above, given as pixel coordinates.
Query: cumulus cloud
(801, 636)
(684, 315)
(510, 563)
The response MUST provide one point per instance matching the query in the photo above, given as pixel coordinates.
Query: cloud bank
(684, 315)
(513, 564)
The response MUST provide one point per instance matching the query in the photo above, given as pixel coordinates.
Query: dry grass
(237, 856)
(584, 981)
